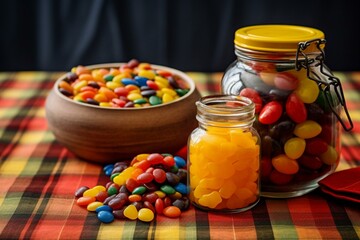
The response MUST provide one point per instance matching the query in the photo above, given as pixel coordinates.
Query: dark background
(191, 35)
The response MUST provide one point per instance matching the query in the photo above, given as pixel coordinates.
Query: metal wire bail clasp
(303, 60)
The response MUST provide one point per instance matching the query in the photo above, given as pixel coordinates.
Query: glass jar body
(300, 134)
(224, 161)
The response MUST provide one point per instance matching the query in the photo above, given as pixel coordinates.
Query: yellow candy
(79, 85)
(307, 129)
(167, 98)
(160, 194)
(294, 147)
(227, 189)
(131, 212)
(169, 91)
(113, 85)
(92, 206)
(162, 81)
(145, 215)
(210, 200)
(150, 74)
(330, 157)
(307, 90)
(141, 157)
(92, 192)
(133, 96)
(100, 98)
(200, 191)
(105, 104)
(222, 161)
(118, 78)
(285, 165)
(97, 76)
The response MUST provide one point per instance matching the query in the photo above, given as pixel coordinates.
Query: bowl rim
(177, 72)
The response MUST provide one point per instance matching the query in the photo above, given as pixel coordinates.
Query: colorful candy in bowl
(110, 112)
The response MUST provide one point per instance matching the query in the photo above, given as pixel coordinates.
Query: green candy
(108, 78)
(113, 175)
(167, 189)
(181, 92)
(139, 190)
(155, 100)
(140, 101)
(112, 190)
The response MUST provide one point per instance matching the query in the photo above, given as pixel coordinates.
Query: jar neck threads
(226, 111)
(273, 57)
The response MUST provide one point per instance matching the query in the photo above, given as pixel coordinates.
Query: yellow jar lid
(275, 38)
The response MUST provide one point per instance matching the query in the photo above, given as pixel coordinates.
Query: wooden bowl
(106, 135)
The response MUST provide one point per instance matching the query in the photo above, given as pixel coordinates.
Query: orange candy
(222, 161)
(172, 212)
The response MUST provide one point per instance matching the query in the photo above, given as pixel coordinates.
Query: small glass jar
(224, 155)
(297, 104)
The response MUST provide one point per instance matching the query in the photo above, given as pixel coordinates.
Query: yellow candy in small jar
(223, 155)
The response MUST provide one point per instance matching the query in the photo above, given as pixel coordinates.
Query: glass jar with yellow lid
(298, 104)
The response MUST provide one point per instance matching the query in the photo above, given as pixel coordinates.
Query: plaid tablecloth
(38, 178)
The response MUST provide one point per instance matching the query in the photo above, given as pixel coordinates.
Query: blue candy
(103, 208)
(129, 81)
(141, 81)
(181, 188)
(180, 162)
(108, 169)
(105, 216)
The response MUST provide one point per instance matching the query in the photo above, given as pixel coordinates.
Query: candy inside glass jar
(223, 155)
(297, 104)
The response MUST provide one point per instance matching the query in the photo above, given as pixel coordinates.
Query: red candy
(316, 146)
(270, 113)
(295, 108)
(140, 186)
(159, 175)
(131, 184)
(145, 177)
(280, 178)
(266, 168)
(254, 96)
(169, 161)
(159, 206)
(310, 162)
(286, 81)
(155, 158)
(101, 196)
